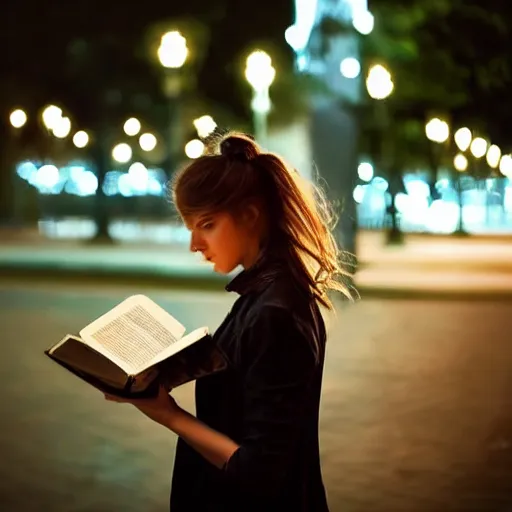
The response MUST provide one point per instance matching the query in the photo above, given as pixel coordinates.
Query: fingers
(113, 398)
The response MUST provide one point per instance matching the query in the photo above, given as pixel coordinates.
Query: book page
(133, 333)
(180, 345)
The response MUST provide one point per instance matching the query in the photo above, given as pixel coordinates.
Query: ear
(251, 215)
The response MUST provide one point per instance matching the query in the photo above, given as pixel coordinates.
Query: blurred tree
(98, 60)
(438, 68)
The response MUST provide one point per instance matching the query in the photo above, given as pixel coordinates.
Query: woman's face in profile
(222, 239)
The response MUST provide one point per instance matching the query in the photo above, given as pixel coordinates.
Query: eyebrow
(201, 219)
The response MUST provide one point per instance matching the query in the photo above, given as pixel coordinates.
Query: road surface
(416, 409)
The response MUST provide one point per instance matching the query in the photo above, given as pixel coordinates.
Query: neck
(251, 257)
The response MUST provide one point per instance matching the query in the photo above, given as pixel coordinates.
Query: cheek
(229, 245)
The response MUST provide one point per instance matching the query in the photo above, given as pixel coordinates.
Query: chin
(223, 269)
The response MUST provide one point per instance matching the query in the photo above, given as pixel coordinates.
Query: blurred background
(399, 110)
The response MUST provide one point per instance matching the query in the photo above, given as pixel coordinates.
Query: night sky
(36, 38)
(39, 38)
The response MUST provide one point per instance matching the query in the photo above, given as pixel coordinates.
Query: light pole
(380, 86)
(462, 138)
(172, 54)
(11, 197)
(478, 149)
(260, 74)
(460, 163)
(438, 132)
(493, 158)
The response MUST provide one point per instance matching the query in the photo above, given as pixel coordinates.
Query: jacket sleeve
(279, 363)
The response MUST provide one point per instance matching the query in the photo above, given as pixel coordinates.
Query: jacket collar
(258, 277)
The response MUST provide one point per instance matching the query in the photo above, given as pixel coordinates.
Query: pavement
(415, 412)
(425, 265)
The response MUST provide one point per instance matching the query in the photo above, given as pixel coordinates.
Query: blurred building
(332, 57)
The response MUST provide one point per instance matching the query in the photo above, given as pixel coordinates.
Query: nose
(195, 243)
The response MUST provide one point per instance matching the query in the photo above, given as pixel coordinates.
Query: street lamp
(478, 147)
(147, 142)
(122, 153)
(260, 74)
(506, 166)
(173, 50)
(363, 21)
(172, 54)
(205, 126)
(194, 148)
(51, 116)
(437, 130)
(81, 139)
(493, 156)
(62, 127)
(463, 137)
(379, 82)
(18, 118)
(350, 67)
(132, 127)
(460, 162)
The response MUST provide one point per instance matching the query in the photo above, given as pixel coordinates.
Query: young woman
(254, 443)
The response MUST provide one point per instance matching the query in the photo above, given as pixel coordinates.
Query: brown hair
(301, 220)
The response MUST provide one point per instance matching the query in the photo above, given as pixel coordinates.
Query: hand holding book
(133, 348)
(162, 408)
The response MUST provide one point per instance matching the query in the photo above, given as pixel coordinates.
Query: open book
(136, 346)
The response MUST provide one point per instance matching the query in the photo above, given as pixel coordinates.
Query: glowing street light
(259, 71)
(62, 127)
(363, 21)
(478, 147)
(365, 171)
(437, 130)
(506, 166)
(194, 148)
(18, 118)
(493, 156)
(81, 139)
(379, 82)
(51, 116)
(463, 137)
(260, 74)
(147, 142)
(122, 153)
(132, 127)
(205, 126)
(172, 54)
(173, 50)
(460, 162)
(350, 67)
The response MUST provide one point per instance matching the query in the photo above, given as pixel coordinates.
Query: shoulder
(275, 340)
(282, 323)
(285, 304)
(283, 293)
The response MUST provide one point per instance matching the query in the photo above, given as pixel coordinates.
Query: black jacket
(267, 401)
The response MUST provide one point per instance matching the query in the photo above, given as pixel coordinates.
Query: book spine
(129, 383)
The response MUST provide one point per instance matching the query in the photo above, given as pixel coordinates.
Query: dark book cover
(195, 361)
